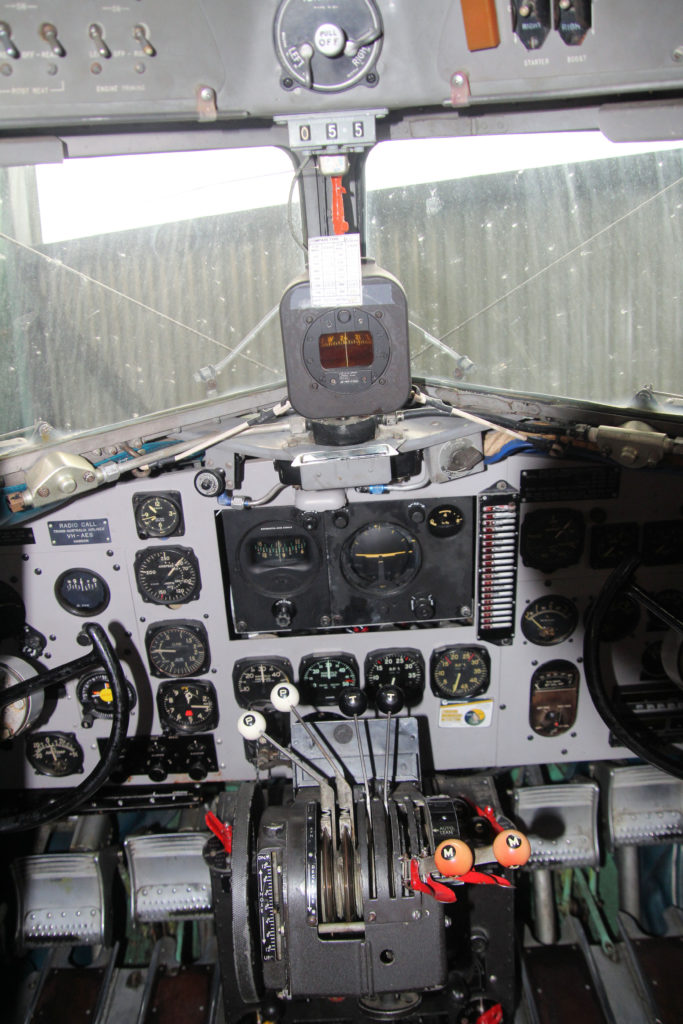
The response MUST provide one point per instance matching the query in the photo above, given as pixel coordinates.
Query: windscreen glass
(136, 284)
(549, 264)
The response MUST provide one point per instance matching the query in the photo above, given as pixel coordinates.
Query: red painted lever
(223, 832)
(339, 225)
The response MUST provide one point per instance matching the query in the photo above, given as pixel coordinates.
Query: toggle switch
(140, 33)
(531, 22)
(96, 33)
(48, 32)
(7, 42)
(573, 19)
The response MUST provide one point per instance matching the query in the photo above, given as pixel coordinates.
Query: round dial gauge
(82, 592)
(157, 515)
(167, 575)
(253, 679)
(549, 620)
(459, 673)
(552, 538)
(611, 542)
(381, 557)
(321, 677)
(187, 707)
(445, 520)
(400, 667)
(54, 753)
(177, 649)
(620, 619)
(97, 696)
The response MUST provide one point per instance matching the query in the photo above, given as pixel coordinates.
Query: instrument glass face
(167, 575)
(381, 557)
(399, 667)
(254, 678)
(82, 592)
(187, 707)
(97, 697)
(157, 515)
(460, 673)
(552, 538)
(322, 677)
(177, 649)
(54, 753)
(549, 620)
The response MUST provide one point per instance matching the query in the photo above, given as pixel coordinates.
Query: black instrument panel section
(367, 564)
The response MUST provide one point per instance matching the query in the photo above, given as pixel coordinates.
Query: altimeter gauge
(177, 649)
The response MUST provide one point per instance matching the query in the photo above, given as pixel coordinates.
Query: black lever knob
(352, 701)
(389, 700)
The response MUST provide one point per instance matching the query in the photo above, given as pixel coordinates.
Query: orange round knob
(511, 848)
(453, 857)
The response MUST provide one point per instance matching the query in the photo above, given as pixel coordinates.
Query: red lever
(440, 892)
(493, 1015)
(339, 225)
(480, 878)
(223, 832)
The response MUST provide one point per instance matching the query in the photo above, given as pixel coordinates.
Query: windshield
(132, 285)
(547, 264)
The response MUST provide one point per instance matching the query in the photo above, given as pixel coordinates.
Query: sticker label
(334, 270)
(79, 531)
(469, 715)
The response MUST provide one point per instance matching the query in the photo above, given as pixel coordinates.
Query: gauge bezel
(393, 586)
(152, 596)
(259, 698)
(169, 724)
(533, 632)
(440, 653)
(90, 706)
(143, 498)
(193, 626)
(448, 529)
(413, 694)
(68, 738)
(83, 613)
(538, 550)
(309, 661)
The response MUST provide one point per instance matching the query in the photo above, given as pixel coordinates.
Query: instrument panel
(384, 590)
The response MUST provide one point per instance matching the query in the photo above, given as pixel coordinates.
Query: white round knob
(284, 697)
(329, 39)
(251, 725)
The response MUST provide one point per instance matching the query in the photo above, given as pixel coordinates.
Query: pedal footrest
(62, 899)
(169, 879)
(561, 822)
(644, 805)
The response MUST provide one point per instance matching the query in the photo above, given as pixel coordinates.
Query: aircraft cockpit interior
(341, 518)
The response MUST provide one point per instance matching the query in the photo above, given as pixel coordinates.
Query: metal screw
(677, 55)
(89, 476)
(206, 94)
(458, 78)
(43, 492)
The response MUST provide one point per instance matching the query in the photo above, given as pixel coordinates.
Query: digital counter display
(346, 348)
(278, 551)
